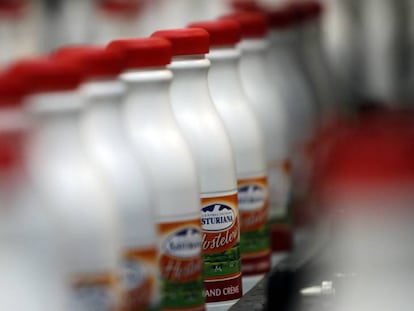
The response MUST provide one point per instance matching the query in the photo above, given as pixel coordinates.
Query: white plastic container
(270, 109)
(155, 136)
(306, 20)
(284, 70)
(210, 145)
(248, 143)
(31, 264)
(66, 179)
(305, 105)
(106, 143)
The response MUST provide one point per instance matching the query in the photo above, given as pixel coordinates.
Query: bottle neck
(283, 36)
(254, 69)
(224, 80)
(254, 52)
(103, 101)
(56, 120)
(189, 88)
(147, 97)
(97, 91)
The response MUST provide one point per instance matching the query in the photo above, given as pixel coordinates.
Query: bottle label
(279, 189)
(140, 280)
(254, 229)
(181, 266)
(96, 293)
(221, 248)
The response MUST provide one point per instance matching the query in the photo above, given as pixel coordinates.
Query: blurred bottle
(287, 76)
(248, 142)
(269, 108)
(107, 144)
(307, 16)
(210, 144)
(64, 176)
(31, 263)
(12, 18)
(154, 134)
(385, 61)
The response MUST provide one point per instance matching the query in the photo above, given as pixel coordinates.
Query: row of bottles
(156, 173)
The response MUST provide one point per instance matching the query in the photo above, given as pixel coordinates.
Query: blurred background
(367, 43)
(362, 173)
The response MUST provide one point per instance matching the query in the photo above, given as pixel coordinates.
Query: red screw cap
(245, 5)
(12, 92)
(222, 32)
(253, 25)
(303, 11)
(279, 18)
(143, 52)
(42, 75)
(12, 7)
(186, 41)
(128, 8)
(96, 62)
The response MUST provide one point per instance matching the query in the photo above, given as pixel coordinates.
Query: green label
(183, 295)
(222, 264)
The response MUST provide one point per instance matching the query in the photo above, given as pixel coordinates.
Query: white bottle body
(248, 143)
(271, 111)
(289, 79)
(31, 261)
(155, 136)
(78, 198)
(288, 71)
(210, 145)
(107, 145)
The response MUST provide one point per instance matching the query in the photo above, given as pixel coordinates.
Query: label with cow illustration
(221, 248)
(96, 292)
(139, 275)
(254, 228)
(181, 266)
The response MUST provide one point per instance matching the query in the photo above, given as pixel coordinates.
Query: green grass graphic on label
(182, 295)
(222, 264)
(255, 241)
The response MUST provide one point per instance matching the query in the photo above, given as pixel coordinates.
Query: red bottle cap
(42, 75)
(303, 11)
(96, 62)
(143, 52)
(245, 5)
(279, 18)
(186, 41)
(12, 91)
(253, 25)
(121, 7)
(222, 32)
(12, 7)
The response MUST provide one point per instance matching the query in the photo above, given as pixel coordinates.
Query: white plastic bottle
(285, 69)
(248, 143)
(31, 264)
(154, 134)
(66, 179)
(270, 109)
(210, 145)
(106, 143)
(306, 19)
